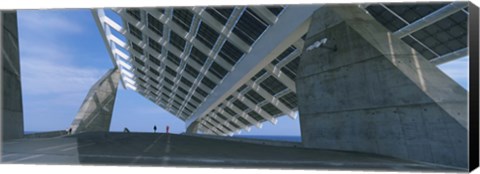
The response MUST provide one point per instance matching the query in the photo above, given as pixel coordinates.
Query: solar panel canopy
(232, 67)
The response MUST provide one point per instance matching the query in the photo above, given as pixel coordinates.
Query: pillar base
(193, 128)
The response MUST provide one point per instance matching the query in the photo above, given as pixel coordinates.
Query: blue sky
(62, 54)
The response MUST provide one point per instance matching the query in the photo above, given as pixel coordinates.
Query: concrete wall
(12, 109)
(49, 134)
(376, 94)
(95, 113)
(251, 140)
(192, 128)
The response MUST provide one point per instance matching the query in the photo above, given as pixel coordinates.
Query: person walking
(168, 128)
(154, 128)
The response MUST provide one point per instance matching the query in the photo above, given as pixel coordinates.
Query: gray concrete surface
(150, 149)
(95, 113)
(251, 140)
(12, 109)
(48, 134)
(376, 94)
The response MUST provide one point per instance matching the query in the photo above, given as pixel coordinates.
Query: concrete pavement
(149, 149)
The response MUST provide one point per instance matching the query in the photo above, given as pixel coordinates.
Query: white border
(76, 4)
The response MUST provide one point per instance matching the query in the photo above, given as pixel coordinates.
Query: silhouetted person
(154, 128)
(168, 128)
(70, 131)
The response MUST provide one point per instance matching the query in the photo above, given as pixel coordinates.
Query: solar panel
(209, 54)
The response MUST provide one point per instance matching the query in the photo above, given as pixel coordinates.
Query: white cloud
(47, 54)
(47, 22)
(48, 69)
(54, 71)
(42, 76)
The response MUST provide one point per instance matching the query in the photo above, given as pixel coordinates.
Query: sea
(29, 132)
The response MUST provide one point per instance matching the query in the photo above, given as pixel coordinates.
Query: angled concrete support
(95, 114)
(366, 90)
(12, 108)
(193, 128)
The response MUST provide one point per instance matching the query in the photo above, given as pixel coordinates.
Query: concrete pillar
(12, 108)
(95, 114)
(193, 128)
(376, 94)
